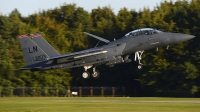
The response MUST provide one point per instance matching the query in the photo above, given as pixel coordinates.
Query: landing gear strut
(138, 55)
(86, 74)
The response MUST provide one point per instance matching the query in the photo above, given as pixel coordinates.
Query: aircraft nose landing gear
(138, 55)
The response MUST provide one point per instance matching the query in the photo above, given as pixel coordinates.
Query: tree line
(176, 68)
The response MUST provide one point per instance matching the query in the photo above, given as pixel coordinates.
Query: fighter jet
(40, 55)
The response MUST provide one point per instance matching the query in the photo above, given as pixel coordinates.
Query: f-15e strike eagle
(40, 55)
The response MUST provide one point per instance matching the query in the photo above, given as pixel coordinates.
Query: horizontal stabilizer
(101, 39)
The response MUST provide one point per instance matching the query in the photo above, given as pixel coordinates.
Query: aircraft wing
(75, 56)
(97, 37)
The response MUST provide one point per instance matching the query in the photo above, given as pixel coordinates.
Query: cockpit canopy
(143, 31)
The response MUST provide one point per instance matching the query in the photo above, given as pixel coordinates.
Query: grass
(98, 104)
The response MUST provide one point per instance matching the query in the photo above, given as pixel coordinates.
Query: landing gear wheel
(86, 75)
(139, 66)
(96, 74)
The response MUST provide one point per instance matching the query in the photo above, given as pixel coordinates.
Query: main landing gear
(138, 55)
(86, 74)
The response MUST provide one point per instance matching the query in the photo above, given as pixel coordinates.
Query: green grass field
(98, 104)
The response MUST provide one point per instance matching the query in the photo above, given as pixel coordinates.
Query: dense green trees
(175, 69)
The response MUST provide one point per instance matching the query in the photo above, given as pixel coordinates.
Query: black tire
(86, 75)
(96, 74)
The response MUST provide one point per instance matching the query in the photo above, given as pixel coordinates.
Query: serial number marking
(39, 58)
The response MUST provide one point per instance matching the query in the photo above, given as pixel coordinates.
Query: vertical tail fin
(44, 45)
(31, 51)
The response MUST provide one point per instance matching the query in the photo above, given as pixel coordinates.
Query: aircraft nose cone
(182, 37)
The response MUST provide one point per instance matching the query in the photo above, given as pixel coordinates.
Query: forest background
(175, 69)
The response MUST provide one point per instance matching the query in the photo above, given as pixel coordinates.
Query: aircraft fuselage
(112, 53)
(117, 49)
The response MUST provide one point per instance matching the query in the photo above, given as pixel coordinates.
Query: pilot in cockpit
(147, 32)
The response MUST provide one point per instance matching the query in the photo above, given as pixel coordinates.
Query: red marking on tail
(22, 36)
(35, 35)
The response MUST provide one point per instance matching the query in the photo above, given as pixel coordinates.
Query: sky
(27, 7)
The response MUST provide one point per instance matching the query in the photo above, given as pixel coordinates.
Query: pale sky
(27, 7)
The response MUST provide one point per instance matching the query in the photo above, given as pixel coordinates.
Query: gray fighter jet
(40, 55)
